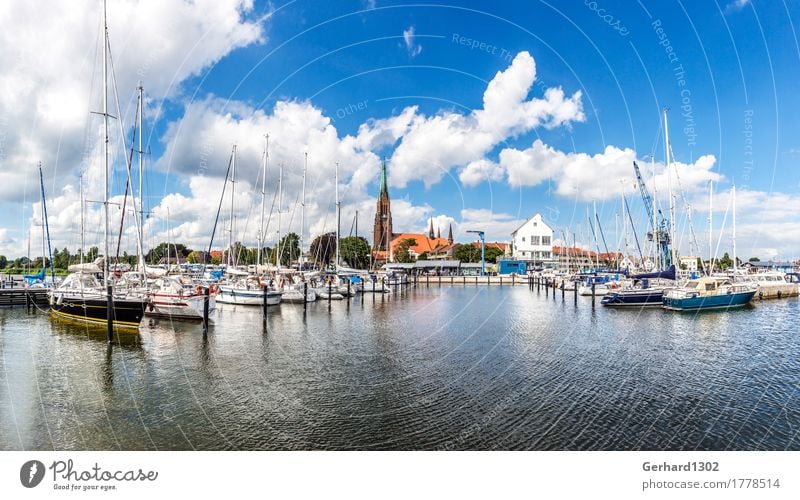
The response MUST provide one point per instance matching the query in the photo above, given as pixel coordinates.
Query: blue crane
(659, 227)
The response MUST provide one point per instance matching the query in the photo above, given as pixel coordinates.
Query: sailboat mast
(338, 213)
(263, 198)
(46, 227)
(105, 149)
(233, 189)
(710, 227)
(669, 189)
(280, 209)
(303, 211)
(83, 244)
(141, 181)
(733, 193)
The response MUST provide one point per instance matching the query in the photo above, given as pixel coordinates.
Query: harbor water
(437, 368)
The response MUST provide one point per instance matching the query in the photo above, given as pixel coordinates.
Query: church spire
(438, 232)
(450, 234)
(384, 184)
(430, 230)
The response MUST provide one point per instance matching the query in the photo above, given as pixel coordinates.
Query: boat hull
(185, 308)
(127, 313)
(247, 297)
(724, 301)
(634, 298)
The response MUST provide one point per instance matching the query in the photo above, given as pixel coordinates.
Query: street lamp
(483, 253)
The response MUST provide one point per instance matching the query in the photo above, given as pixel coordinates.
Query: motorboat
(707, 293)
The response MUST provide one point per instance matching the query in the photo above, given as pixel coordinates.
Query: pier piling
(205, 309)
(109, 314)
(266, 288)
(305, 295)
(593, 295)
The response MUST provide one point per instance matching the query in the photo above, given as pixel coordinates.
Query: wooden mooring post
(206, 299)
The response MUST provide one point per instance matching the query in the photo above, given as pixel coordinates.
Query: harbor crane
(659, 225)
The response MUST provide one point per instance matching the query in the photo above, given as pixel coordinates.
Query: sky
(486, 114)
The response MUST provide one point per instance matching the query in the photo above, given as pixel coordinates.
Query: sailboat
(240, 287)
(81, 296)
(643, 292)
(38, 280)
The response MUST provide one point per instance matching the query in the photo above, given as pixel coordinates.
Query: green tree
(323, 248)
(289, 248)
(422, 256)
(467, 253)
(725, 262)
(92, 254)
(491, 254)
(754, 259)
(355, 251)
(165, 249)
(3, 261)
(402, 251)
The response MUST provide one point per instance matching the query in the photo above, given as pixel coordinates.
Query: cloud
(414, 49)
(737, 5)
(51, 81)
(432, 145)
(585, 177)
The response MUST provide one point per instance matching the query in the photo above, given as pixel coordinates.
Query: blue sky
(726, 70)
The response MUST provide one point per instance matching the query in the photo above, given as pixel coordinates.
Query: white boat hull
(245, 297)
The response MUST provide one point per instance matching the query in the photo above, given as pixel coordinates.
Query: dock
(509, 280)
(21, 296)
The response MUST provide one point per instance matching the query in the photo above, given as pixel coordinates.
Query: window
(534, 240)
(545, 240)
(523, 239)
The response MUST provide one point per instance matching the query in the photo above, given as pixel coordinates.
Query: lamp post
(483, 252)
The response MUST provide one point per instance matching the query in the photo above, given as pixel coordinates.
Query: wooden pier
(469, 280)
(20, 296)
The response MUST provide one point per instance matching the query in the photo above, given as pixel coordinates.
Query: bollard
(205, 309)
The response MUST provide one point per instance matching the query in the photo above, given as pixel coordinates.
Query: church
(385, 241)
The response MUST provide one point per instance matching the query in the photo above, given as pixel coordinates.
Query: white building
(689, 263)
(533, 241)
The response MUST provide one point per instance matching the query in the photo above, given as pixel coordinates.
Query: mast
(280, 209)
(141, 182)
(657, 264)
(263, 198)
(669, 188)
(303, 212)
(46, 228)
(710, 227)
(233, 189)
(338, 214)
(80, 180)
(733, 193)
(106, 281)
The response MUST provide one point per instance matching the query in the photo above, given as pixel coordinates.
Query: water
(431, 368)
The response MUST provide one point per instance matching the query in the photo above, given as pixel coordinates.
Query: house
(533, 241)
(688, 263)
(784, 267)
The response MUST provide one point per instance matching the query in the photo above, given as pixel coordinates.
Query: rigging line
(600, 227)
(125, 199)
(127, 161)
(633, 227)
(216, 219)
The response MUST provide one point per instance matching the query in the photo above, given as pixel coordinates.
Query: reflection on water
(429, 368)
